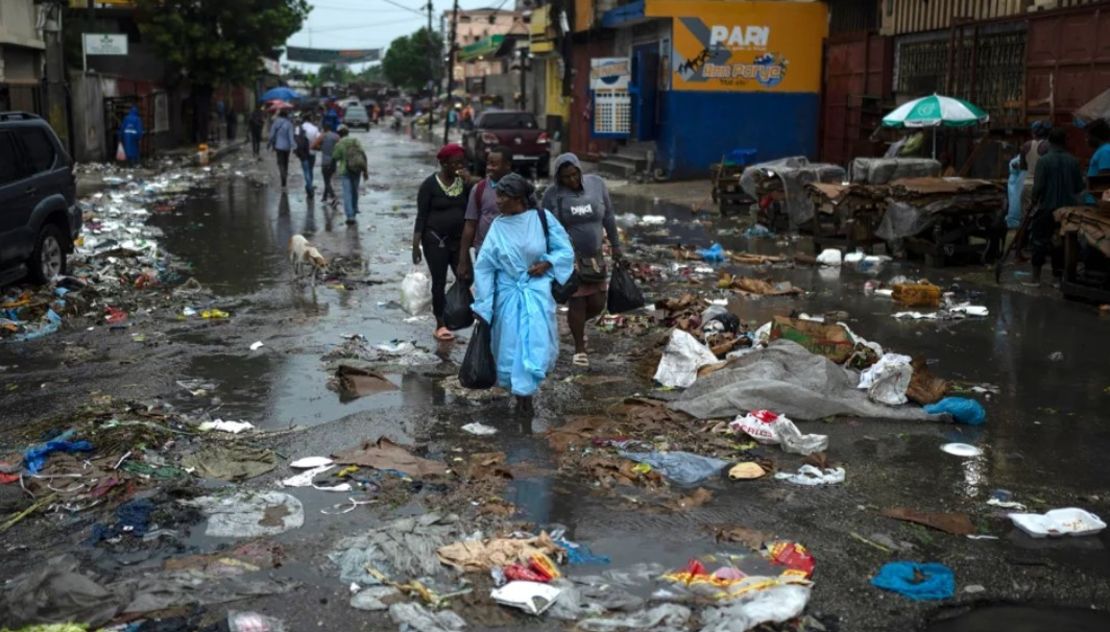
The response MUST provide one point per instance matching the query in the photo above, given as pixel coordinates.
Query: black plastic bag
(624, 296)
(479, 368)
(562, 292)
(456, 310)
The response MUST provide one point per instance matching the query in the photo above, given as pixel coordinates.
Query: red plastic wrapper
(696, 568)
(519, 572)
(766, 416)
(794, 556)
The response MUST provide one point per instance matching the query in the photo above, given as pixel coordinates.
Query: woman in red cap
(440, 210)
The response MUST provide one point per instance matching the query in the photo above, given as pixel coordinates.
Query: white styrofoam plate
(1071, 521)
(961, 449)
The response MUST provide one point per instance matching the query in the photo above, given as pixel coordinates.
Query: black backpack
(301, 139)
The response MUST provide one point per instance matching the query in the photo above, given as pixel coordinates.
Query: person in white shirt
(306, 134)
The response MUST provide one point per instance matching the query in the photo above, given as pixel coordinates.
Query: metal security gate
(983, 63)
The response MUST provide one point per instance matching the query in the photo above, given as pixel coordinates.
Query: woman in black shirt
(440, 210)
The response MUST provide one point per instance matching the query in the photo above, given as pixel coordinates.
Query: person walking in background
(325, 144)
(232, 122)
(1056, 184)
(440, 212)
(305, 138)
(331, 119)
(256, 122)
(282, 141)
(1098, 137)
(131, 135)
(523, 252)
(481, 209)
(582, 205)
(350, 162)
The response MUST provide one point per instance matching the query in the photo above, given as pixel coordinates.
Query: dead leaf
(356, 382)
(487, 465)
(751, 538)
(383, 454)
(697, 498)
(925, 388)
(954, 523)
(819, 460)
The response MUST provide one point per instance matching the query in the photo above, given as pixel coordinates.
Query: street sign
(329, 56)
(105, 44)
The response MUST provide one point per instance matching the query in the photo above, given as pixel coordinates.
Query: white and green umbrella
(935, 111)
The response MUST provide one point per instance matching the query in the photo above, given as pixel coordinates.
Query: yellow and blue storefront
(720, 75)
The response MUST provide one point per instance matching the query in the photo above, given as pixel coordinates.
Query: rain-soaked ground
(1045, 439)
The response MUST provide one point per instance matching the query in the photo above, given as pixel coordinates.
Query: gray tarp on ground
(789, 380)
(884, 170)
(795, 172)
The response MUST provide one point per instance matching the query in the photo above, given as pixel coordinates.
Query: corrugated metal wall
(914, 16)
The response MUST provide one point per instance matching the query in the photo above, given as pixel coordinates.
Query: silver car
(356, 116)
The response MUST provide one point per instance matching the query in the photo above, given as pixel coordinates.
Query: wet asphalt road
(1045, 439)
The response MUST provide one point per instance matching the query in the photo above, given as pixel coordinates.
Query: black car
(39, 215)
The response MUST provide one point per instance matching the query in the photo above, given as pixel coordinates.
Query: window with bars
(612, 113)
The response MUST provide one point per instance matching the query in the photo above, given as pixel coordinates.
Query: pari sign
(745, 46)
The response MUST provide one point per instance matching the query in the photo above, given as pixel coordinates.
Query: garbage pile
(118, 266)
(784, 181)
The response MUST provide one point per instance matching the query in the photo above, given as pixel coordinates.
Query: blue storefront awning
(624, 16)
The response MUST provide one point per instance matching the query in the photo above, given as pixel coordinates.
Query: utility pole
(54, 80)
(433, 55)
(452, 53)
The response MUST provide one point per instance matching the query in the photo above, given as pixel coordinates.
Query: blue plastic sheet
(580, 553)
(713, 254)
(920, 582)
(35, 457)
(963, 410)
(684, 468)
(132, 517)
(1014, 189)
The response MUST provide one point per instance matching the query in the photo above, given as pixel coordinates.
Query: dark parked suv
(39, 216)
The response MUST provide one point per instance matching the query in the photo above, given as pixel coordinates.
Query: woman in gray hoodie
(581, 204)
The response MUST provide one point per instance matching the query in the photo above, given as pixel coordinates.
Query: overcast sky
(371, 23)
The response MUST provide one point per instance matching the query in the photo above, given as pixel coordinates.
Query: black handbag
(561, 292)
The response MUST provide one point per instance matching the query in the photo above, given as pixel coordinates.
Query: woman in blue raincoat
(512, 286)
(131, 134)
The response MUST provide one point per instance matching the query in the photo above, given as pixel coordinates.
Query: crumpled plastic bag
(962, 409)
(253, 622)
(416, 617)
(774, 429)
(775, 604)
(684, 468)
(416, 292)
(682, 357)
(53, 591)
(250, 514)
(811, 476)
(887, 380)
(830, 257)
(666, 616)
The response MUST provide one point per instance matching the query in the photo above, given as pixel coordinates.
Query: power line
(401, 6)
(349, 27)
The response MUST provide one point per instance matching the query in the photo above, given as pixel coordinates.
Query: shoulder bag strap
(546, 230)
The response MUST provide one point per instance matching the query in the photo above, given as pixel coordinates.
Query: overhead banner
(330, 56)
(745, 46)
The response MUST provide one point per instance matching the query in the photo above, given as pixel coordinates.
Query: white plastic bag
(683, 356)
(830, 257)
(812, 476)
(886, 381)
(772, 428)
(416, 292)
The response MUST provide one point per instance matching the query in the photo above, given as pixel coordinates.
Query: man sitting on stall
(1057, 183)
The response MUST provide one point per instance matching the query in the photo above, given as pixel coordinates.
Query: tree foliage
(414, 60)
(334, 73)
(219, 41)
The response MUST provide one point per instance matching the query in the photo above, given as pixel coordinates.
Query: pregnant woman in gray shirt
(582, 205)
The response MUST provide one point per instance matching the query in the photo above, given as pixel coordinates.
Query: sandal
(444, 335)
(581, 359)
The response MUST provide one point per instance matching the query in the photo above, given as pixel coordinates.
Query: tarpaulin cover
(884, 170)
(786, 378)
(795, 173)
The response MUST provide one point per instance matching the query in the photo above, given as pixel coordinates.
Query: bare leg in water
(580, 310)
